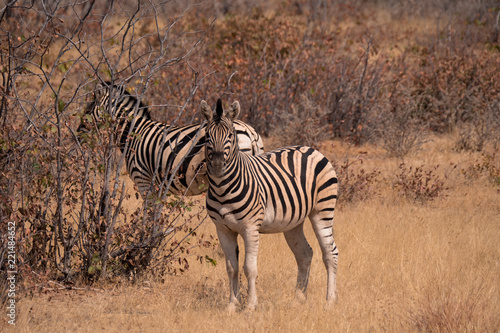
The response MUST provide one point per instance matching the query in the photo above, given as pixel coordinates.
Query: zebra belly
(279, 226)
(273, 223)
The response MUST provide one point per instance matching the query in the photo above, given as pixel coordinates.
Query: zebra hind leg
(303, 253)
(229, 243)
(322, 223)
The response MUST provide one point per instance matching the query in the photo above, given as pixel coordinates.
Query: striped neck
(125, 109)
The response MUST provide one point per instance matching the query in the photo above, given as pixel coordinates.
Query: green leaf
(211, 261)
(60, 105)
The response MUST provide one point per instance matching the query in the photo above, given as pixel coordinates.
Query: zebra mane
(122, 92)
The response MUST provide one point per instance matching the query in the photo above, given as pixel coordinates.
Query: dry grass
(403, 266)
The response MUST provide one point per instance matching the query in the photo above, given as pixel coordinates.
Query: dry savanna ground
(404, 266)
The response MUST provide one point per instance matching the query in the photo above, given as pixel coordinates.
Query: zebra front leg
(229, 242)
(251, 239)
(303, 253)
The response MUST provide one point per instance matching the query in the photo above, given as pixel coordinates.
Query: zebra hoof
(300, 296)
(231, 308)
(251, 307)
(330, 303)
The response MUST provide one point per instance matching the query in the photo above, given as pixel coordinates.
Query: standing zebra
(269, 193)
(152, 149)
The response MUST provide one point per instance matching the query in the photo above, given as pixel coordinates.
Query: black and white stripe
(269, 193)
(154, 150)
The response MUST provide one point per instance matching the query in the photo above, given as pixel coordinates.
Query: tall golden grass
(404, 267)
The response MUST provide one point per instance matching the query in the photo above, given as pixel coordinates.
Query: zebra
(269, 193)
(153, 150)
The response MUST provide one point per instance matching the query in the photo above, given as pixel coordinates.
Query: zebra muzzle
(216, 167)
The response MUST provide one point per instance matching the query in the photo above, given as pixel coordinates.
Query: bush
(399, 130)
(420, 184)
(304, 124)
(356, 185)
(487, 166)
(480, 128)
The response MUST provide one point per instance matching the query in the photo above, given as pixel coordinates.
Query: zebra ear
(218, 109)
(99, 91)
(233, 111)
(206, 112)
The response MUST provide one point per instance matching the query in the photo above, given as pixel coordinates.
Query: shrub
(356, 185)
(304, 124)
(480, 128)
(419, 184)
(399, 131)
(487, 166)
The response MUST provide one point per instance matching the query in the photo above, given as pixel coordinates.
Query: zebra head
(111, 101)
(221, 141)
